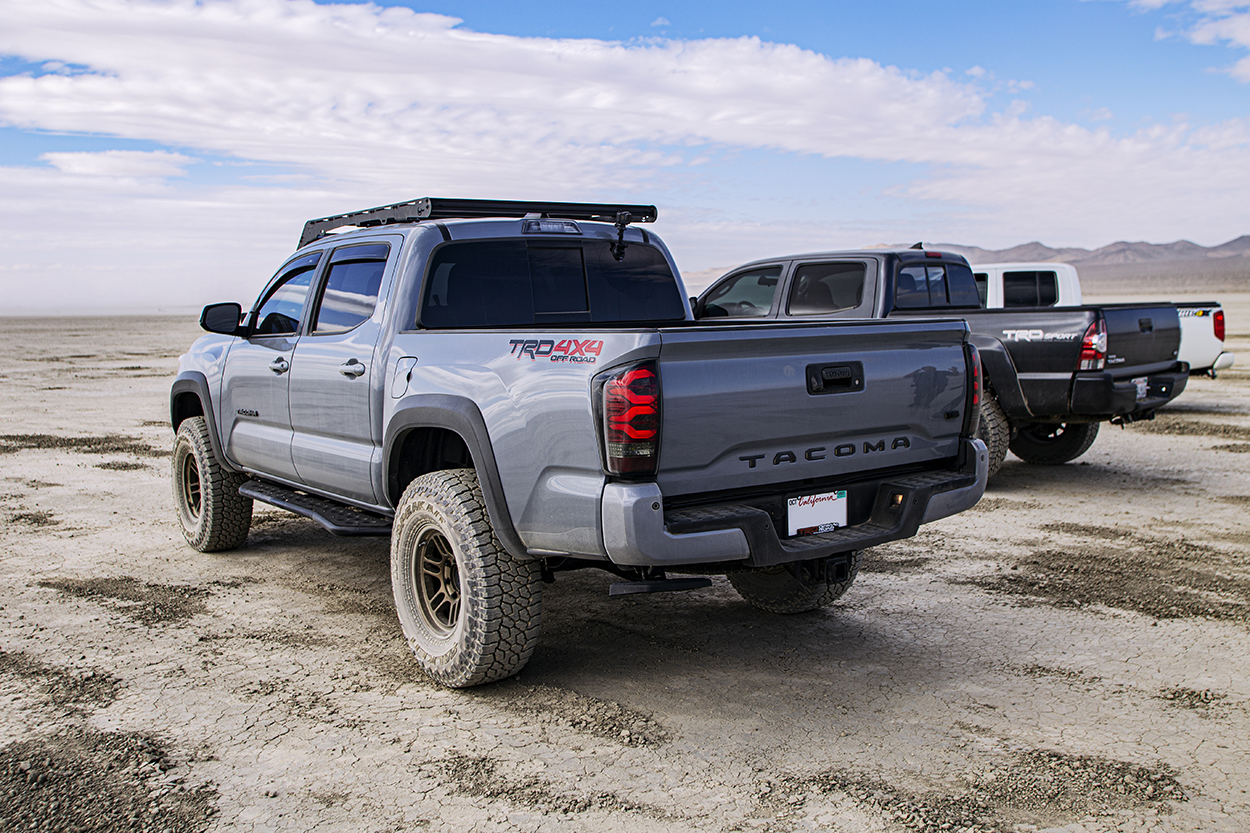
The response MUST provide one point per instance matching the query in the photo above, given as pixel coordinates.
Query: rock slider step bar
(335, 517)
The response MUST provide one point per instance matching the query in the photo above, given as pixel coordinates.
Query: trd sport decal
(566, 350)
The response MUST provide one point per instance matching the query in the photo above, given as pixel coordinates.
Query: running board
(626, 588)
(337, 518)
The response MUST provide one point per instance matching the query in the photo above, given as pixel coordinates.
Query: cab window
(938, 285)
(351, 287)
(282, 308)
(983, 286)
(822, 288)
(1030, 289)
(745, 295)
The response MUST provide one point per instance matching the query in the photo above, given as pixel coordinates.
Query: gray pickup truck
(1052, 374)
(510, 390)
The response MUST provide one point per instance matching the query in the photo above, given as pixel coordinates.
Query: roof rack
(440, 208)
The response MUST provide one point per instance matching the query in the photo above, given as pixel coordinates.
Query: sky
(163, 154)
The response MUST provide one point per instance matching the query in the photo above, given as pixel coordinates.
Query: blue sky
(158, 153)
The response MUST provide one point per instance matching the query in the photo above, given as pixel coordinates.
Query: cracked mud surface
(1103, 684)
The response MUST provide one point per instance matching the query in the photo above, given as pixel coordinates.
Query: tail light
(976, 389)
(1094, 347)
(630, 400)
(1219, 324)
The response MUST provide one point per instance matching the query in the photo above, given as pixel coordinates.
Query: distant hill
(1149, 267)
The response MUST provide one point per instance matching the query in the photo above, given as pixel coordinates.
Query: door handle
(279, 366)
(352, 368)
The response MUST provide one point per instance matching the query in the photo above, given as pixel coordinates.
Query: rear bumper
(637, 531)
(1102, 395)
(1224, 361)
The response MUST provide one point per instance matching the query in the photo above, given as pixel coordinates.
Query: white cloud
(123, 163)
(661, 21)
(353, 105)
(1217, 21)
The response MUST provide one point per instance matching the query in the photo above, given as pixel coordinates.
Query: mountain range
(1122, 252)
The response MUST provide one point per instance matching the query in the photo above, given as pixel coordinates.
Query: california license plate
(813, 514)
(1143, 387)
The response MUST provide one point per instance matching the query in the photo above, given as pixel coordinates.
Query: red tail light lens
(1094, 347)
(1219, 324)
(976, 388)
(631, 419)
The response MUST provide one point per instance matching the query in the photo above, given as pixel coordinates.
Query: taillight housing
(1094, 347)
(629, 410)
(976, 390)
(1218, 323)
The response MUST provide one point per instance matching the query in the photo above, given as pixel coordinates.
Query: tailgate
(1141, 338)
(739, 410)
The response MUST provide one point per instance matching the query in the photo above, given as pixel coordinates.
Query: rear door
(333, 374)
(255, 412)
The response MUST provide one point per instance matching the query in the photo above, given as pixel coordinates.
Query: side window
(283, 307)
(821, 288)
(983, 286)
(351, 287)
(1030, 289)
(746, 295)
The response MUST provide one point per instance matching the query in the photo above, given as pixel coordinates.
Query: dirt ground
(1072, 654)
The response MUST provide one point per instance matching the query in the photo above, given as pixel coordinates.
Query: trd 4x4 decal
(565, 350)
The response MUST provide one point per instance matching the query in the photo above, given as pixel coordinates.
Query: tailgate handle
(1146, 325)
(835, 378)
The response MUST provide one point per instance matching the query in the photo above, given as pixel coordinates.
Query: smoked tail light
(1218, 323)
(1094, 347)
(629, 409)
(976, 390)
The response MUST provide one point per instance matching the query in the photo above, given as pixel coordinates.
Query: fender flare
(461, 416)
(1000, 374)
(193, 381)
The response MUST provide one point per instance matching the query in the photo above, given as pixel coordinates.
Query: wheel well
(186, 405)
(423, 450)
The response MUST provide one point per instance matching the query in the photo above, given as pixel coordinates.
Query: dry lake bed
(1072, 654)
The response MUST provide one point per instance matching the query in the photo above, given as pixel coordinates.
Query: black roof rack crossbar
(441, 208)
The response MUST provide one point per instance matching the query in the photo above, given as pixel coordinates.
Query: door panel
(255, 412)
(332, 442)
(255, 416)
(333, 378)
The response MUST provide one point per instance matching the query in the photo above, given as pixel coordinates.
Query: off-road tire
(469, 609)
(1051, 444)
(993, 430)
(776, 590)
(212, 513)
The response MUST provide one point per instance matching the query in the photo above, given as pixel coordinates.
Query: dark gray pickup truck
(1052, 374)
(510, 390)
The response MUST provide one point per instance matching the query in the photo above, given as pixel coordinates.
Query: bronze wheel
(469, 609)
(438, 581)
(212, 513)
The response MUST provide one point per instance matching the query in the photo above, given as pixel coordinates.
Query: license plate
(813, 514)
(1143, 387)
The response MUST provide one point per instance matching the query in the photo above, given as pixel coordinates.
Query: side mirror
(694, 306)
(222, 318)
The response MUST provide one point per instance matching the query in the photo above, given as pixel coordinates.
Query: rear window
(935, 285)
(518, 283)
(1030, 289)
